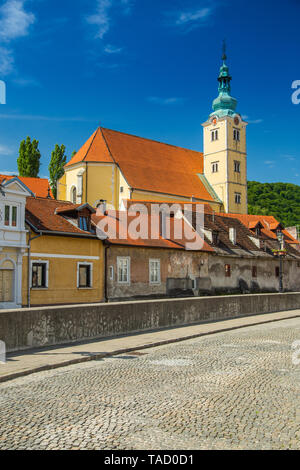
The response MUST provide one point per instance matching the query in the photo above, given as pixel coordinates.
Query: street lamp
(280, 254)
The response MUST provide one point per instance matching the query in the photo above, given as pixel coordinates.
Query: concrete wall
(37, 327)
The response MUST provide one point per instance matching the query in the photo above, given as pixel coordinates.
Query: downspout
(106, 248)
(30, 239)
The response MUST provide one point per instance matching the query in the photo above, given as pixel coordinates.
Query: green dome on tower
(225, 104)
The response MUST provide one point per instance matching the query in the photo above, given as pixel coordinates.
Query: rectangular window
(227, 270)
(124, 270)
(215, 167)
(154, 271)
(7, 215)
(111, 273)
(237, 167)
(238, 198)
(254, 271)
(236, 135)
(84, 276)
(214, 135)
(10, 216)
(39, 275)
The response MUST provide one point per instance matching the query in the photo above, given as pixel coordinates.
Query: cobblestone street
(232, 390)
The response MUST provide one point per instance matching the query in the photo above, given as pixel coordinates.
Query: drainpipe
(106, 248)
(30, 239)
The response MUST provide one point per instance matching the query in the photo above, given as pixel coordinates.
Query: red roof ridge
(151, 140)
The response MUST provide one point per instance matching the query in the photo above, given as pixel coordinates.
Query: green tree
(282, 200)
(73, 153)
(29, 158)
(56, 166)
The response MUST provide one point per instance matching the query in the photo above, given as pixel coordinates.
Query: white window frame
(11, 206)
(111, 273)
(155, 260)
(40, 261)
(119, 259)
(84, 263)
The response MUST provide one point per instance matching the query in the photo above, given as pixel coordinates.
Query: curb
(79, 360)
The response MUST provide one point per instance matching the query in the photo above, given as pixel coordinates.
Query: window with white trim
(39, 274)
(123, 270)
(84, 275)
(10, 215)
(154, 271)
(111, 273)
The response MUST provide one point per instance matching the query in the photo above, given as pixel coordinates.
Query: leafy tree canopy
(29, 158)
(56, 166)
(282, 200)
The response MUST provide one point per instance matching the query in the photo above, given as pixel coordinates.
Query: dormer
(79, 215)
(256, 227)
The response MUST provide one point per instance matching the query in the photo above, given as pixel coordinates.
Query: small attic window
(258, 231)
(83, 223)
(215, 237)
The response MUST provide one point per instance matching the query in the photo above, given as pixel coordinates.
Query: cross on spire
(224, 56)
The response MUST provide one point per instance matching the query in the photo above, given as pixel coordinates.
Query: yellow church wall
(62, 188)
(102, 183)
(71, 180)
(63, 254)
(125, 194)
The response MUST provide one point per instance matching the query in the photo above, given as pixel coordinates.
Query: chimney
(101, 206)
(232, 235)
(162, 224)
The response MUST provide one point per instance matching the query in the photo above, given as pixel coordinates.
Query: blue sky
(149, 67)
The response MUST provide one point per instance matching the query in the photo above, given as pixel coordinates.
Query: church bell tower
(225, 151)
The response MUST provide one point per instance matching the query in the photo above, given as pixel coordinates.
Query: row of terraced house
(57, 252)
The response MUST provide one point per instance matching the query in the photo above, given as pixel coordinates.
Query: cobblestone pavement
(233, 390)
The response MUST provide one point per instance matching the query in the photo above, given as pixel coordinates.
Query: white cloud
(165, 101)
(109, 49)
(32, 117)
(101, 19)
(6, 60)
(4, 150)
(15, 21)
(252, 121)
(192, 16)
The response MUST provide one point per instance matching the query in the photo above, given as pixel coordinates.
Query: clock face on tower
(236, 120)
(214, 120)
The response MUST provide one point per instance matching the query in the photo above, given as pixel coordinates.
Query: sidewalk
(32, 361)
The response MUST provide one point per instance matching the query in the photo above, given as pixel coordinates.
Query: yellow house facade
(64, 263)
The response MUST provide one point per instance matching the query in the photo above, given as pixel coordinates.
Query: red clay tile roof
(122, 236)
(146, 164)
(39, 186)
(268, 222)
(41, 214)
(191, 206)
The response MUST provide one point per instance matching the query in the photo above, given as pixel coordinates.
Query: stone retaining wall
(37, 327)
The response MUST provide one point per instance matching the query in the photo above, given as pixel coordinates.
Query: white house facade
(13, 194)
